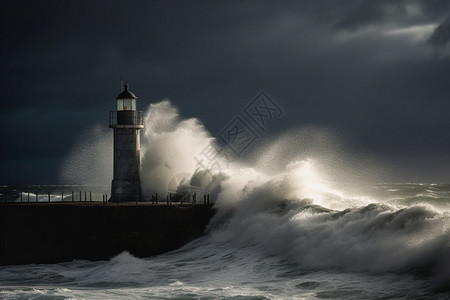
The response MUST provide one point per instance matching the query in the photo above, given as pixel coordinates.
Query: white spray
(91, 161)
(289, 199)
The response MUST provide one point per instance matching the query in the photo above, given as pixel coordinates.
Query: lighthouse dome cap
(126, 94)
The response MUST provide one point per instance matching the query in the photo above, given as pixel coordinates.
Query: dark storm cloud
(441, 35)
(365, 68)
(354, 14)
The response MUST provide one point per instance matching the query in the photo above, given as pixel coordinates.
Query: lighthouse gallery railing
(126, 117)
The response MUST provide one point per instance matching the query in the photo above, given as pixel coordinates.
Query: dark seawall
(59, 232)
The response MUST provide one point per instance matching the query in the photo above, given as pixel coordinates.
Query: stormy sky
(376, 72)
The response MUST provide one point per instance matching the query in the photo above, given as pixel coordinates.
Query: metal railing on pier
(88, 196)
(40, 196)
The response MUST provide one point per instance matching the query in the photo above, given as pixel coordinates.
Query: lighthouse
(126, 122)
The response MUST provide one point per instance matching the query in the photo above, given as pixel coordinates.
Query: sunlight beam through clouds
(417, 33)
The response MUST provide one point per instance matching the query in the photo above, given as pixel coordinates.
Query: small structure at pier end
(127, 123)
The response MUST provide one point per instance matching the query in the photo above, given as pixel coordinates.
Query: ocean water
(393, 245)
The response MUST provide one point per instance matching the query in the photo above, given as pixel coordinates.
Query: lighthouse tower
(126, 122)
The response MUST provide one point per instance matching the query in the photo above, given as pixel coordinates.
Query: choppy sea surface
(391, 243)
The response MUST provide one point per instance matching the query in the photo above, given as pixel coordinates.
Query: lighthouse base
(125, 191)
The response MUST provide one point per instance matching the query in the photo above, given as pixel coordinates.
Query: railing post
(48, 196)
(28, 196)
(37, 196)
(80, 197)
(21, 196)
(62, 196)
(72, 197)
(84, 196)
(90, 196)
